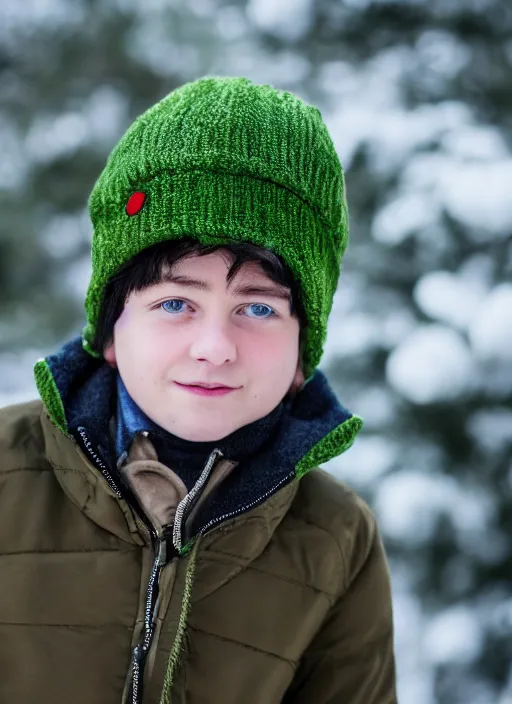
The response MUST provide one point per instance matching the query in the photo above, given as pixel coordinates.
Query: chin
(194, 435)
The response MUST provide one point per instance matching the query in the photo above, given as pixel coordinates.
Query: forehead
(210, 272)
(217, 264)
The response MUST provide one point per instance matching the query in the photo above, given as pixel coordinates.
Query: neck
(187, 457)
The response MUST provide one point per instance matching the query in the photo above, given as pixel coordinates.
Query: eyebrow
(242, 290)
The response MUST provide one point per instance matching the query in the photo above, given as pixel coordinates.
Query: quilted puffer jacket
(262, 583)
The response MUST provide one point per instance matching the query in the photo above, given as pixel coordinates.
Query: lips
(201, 390)
(208, 386)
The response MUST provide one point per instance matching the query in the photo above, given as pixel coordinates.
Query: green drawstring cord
(174, 656)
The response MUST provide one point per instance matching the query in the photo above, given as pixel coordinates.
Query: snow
(491, 330)
(414, 674)
(474, 511)
(369, 458)
(51, 137)
(23, 17)
(449, 298)
(99, 122)
(76, 278)
(473, 192)
(151, 8)
(478, 196)
(399, 132)
(475, 142)
(166, 55)
(408, 504)
(467, 176)
(403, 216)
(106, 112)
(376, 404)
(274, 17)
(64, 235)
(433, 364)
(491, 548)
(231, 22)
(359, 333)
(454, 635)
(17, 382)
(491, 429)
(442, 53)
(13, 164)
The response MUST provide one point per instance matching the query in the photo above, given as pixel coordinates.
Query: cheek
(152, 344)
(134, 341)
(274, 351)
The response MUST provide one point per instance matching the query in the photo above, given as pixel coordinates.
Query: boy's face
(172, 334)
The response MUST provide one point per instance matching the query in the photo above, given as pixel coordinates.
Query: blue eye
(176, 306)
(169, 306)
(260, 307)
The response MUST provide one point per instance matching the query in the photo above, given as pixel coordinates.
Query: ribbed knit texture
(224, 160)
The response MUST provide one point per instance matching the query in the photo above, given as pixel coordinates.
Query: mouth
(206, 390)
(203, 385)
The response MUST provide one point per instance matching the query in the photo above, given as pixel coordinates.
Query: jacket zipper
(246, 507)
(163, 556)
(141, 650)
(187, 503)
(98, 462)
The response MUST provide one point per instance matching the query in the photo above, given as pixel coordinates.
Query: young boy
(166, 533)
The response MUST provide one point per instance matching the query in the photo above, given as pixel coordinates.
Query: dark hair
(146, 269)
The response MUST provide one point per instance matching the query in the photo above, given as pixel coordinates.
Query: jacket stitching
(61, 468)
(371, 546)
(67, 625)
(62, 552)
(293, 581)
(272, 574)
(343, 582)
(218, 586)
(12, 470)
(292, 663)
(227, 527)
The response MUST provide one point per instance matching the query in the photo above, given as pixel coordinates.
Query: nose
(213, 342)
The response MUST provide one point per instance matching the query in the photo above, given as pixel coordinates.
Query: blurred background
(417, 95)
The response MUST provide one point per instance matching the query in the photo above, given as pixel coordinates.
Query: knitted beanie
(223, 160)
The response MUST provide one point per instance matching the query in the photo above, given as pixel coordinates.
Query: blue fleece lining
(87, 387)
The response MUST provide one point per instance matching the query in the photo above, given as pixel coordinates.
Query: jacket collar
(84, 485)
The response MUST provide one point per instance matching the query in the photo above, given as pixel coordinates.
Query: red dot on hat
(135, 202)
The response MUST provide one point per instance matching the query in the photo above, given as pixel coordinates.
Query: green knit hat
(223, 160)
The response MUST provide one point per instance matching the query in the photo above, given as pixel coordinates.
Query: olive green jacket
(288, 601)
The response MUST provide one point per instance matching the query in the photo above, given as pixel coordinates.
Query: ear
(298, 380)
(109, 354)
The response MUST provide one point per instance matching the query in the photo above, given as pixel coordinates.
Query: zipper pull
(162, 552)
(186, 504)
(165, 550)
